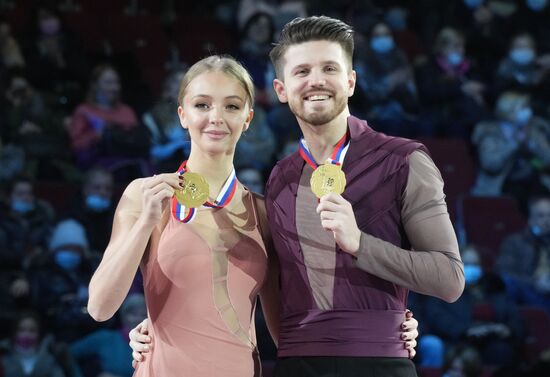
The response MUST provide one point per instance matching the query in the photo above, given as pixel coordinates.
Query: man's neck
(321, 139)
(214, 168)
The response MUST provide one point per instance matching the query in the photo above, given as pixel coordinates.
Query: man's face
(539, 217)
(317, 81)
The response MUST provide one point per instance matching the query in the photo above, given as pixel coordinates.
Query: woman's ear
(248, 119)
(181, 115)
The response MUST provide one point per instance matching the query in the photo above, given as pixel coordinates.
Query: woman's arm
(138, 213)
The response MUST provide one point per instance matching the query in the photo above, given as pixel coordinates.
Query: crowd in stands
(88, 99)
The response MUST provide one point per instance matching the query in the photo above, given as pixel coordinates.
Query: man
(524, 258)
(343, 285)
(93, 208)
(346, 263)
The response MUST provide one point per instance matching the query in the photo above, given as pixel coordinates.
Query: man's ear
(352, 79)
(280, 89)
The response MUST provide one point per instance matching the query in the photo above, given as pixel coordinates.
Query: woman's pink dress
(201, 280)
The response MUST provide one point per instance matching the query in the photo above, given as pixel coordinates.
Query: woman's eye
(201, 106)
(233, 107)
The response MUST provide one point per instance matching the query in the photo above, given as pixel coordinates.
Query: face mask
(473, 4)
(454, 58)
(49, 26)
(472, 273)
(523, 115)
(26, 341)
(536, 230)
(97, 203)
(22, 207)
(522, 56)
(537, 5)
(67, 259)
(382, 44)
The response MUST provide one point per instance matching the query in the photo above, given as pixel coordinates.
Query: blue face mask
(537, 5)
(22, 207)
(523, 115)
(522, 56)
(97, 203)
(536, 230)
(67, 259)
(473, 4)
(472, 273)
(454, 58)
(382, 44)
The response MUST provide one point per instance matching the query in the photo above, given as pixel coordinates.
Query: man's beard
(321, 118)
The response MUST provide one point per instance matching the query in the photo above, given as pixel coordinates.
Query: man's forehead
(314, 52)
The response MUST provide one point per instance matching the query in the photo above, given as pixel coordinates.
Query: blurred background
(88, 102)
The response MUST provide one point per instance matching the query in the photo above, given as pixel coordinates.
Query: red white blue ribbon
(337, 156)
(224, 197)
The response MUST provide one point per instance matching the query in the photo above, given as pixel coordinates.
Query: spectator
(104, 130)
(252, 179)
(59, 65)
(25, 225)
(10, 52)
(386, 80)
(29, 354)
(524, 258)
(496, 335)
(110, 346)
(93, 208)
(527, 140)
(59, 282)
(463, 361)
(30, 123)
(523, 69)
(255, 43)
(450, 89)
(169, 141)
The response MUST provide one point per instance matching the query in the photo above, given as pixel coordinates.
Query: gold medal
(327, 178)
(194, 192)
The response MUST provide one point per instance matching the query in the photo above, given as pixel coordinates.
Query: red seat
(537, 324)
(456, 164)
(486, 221)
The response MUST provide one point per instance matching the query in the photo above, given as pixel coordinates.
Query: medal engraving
(194, 192)
(327, 178)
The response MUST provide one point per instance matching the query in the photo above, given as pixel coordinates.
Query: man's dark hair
(314, 28)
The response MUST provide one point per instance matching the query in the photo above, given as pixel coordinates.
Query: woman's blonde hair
(219, 63)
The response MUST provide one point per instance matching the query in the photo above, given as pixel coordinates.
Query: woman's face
(216, 111)
(108, 87)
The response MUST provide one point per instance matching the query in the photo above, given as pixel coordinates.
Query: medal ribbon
(337, 156)
(224, 197)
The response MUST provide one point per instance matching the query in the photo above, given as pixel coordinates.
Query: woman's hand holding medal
(156, 193)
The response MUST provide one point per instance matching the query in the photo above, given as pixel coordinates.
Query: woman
(104, 130)
(200, 297)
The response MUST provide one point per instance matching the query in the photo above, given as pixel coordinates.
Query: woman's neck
(214, 168)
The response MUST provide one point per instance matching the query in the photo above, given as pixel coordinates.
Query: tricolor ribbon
(337, 156)
(224, 197)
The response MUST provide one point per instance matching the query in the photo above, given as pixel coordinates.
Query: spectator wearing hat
(59, 281)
